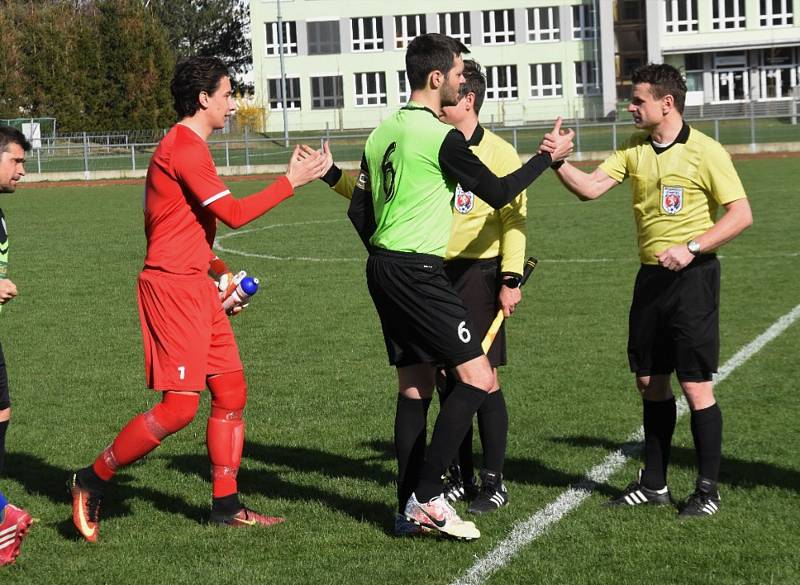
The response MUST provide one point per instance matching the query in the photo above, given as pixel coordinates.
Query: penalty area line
(528, 530)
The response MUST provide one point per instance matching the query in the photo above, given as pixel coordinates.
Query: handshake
(235, 291)
(558, 143)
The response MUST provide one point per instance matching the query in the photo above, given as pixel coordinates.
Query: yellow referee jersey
(478, 230)
(677, 193)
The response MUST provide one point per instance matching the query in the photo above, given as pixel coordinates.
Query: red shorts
(187, 336)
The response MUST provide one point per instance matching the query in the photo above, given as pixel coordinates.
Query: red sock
(145, 431)
(225, 432)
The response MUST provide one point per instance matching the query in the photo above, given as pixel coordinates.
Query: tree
(211, 28)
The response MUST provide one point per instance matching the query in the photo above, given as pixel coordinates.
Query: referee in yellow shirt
(679, 177)
(484, 261)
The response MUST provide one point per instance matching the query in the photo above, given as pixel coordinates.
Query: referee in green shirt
(679, 177)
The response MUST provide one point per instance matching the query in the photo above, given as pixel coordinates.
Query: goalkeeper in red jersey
(188, 342)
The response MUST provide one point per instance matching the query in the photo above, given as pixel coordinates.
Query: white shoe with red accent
(438, 515)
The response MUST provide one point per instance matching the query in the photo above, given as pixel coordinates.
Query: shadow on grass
(332, 465)
(733, 471)
(43, 479)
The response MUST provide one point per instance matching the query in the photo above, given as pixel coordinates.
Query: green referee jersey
(410, 193)
(678, 190)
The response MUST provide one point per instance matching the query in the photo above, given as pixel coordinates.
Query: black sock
(707, 432)
(3, 429)
(444, 385)
(226, 505)
(451, 425)
(410, 424)
(465, 461)
(87, 478)
(659, 426)
(493, 426)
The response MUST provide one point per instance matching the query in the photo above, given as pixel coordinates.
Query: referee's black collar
(682, 138)
(476, 137)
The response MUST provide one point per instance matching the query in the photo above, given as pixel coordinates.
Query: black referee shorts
(5, 399)
(423, 318)
(674, 321)
(477, 282)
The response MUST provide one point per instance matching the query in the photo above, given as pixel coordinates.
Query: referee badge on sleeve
(362, 182)
(464, 201)
(671, 199)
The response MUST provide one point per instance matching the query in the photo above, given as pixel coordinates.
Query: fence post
(247, 149)
(227, 153)
(613, 136)
(133, 157)
(514, 137)
(716, 129)
(577, 133)
(752, 127)
(39, 160)
(85, 157)
(794, 112)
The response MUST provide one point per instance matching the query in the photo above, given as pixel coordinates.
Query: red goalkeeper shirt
(183, 199)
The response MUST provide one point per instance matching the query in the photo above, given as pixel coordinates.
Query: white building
(344, 62)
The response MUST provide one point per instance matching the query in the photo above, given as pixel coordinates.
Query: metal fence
(126, 151)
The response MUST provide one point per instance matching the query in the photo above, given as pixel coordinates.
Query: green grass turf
(321, 403)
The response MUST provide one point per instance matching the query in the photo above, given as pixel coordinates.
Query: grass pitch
(321, 403)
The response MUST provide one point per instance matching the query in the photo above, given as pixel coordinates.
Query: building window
(456, 25)
(730, 77)
(681, 16)
(408, 27)
(292, 93)
(546, 80)
(779, 73)
(323, 38)
(728, 15)
(776, 13)
(694, 67)
(501, 82)
(405, 90)
(498, 27)
(543, 24)
(370, 89)
(583, 24)
(586, 78)
(327, 92)
(367, 33)
(289, 37)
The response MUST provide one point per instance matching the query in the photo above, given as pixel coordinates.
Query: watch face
(511, 281)
(693, 246)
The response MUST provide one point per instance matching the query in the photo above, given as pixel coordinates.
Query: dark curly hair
(430, 52)
(664, 80)
(193, 76)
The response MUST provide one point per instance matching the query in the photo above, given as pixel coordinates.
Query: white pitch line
(221, 248)
(528, 530)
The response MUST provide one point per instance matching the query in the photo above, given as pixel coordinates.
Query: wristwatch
(694, 247)
(512, 281)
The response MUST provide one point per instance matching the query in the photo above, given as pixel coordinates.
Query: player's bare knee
(656, 388)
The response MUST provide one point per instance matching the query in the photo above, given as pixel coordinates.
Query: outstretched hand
(558, 142)
(306, 165)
